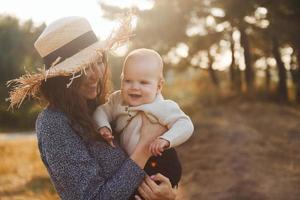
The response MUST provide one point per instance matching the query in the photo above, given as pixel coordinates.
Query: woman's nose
(96, 72)
(94, 76)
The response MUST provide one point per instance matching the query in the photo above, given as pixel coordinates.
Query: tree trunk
(238, 79)
(249, 73)
(232, 65)
(235, 73)
(297, 75)
(282, 87)
(268, 78)
(212, 72)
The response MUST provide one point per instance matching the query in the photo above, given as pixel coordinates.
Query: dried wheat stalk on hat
(55, 43)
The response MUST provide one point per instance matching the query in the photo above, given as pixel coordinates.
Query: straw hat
(67, 45)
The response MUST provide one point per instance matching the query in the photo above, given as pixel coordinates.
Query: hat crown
(61, 32)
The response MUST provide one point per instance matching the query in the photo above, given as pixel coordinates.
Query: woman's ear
(160, 85)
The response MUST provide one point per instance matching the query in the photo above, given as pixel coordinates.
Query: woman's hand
(149, 190)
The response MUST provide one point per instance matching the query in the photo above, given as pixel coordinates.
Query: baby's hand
(107, 135)
(158, 146)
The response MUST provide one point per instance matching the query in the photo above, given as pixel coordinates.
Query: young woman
(80, 163)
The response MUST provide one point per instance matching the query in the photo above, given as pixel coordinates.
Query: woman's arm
(149, 133)
(149, 189)
(74, 172)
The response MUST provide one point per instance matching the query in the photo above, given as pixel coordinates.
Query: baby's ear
(160, 85)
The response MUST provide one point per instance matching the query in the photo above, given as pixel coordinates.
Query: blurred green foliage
(16, 56)
(253, 32)
(191, 36)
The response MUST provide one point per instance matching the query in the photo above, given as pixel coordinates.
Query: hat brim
(29, 83)
(78, 61)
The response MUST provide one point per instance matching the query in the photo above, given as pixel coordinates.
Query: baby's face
(141, 82)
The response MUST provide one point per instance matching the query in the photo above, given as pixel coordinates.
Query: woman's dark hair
(55, 93)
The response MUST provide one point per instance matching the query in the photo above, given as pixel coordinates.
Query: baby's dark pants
(167, 164)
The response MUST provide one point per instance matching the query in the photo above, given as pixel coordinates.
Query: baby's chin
(139, 102)
(134, 103)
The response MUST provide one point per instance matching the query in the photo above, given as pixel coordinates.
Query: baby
(141, 85)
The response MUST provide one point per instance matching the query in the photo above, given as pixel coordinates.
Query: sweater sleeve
(76, 174)
(180, 131)
(104, 114)
(168, 113)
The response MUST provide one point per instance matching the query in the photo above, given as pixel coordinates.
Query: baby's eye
(126, 81)
(144, 82)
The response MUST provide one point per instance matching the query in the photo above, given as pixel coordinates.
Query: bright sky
(49, 10)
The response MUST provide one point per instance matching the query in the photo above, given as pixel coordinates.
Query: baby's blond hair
(144, 53)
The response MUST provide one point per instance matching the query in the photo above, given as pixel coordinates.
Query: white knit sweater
(129, 122)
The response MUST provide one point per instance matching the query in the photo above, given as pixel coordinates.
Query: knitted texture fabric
(128, 122)
(80, 169)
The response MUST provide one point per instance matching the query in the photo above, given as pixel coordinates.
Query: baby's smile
(135, 96)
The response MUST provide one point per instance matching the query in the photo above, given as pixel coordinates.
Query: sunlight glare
(250, 19)
(264, 23)
(236, 36)
(141, 4)
(222, 26)
(261, 13)
(217, 12)
(182, 50)
(271, 61)
(196, 26)
(286, 53)
(48, 11)
(222, 61)
(261, 63)
(210, 21)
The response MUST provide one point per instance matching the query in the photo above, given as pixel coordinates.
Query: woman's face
(89, 85)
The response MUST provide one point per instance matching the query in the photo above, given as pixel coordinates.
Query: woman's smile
(89, 90)
(93, 86)
(89, 85)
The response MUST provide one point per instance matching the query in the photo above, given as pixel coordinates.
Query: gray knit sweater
(81, 170)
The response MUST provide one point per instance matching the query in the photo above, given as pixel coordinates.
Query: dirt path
(241, 152)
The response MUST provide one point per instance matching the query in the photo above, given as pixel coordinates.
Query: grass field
(239, 151)
(22, 174)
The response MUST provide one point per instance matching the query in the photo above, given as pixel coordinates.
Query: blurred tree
(202, 24)
(154, 30)
(205, 43)
(11, 48)
(236, 11)
(292, 16)
(282, 86)
(284, 15)
(235, 73)
(16, 48)
(17, 51)
(262, 49)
